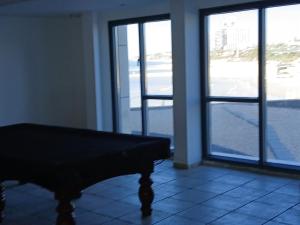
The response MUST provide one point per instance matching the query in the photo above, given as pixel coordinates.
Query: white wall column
(186, 79)
(92, 71)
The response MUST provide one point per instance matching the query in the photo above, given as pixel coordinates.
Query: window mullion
(262, 86)
(143, 78)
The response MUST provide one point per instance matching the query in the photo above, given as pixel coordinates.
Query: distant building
(231, 37)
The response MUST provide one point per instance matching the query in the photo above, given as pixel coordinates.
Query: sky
(283, 23)
(157, 38)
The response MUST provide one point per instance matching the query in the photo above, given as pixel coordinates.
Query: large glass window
(251, 66)
(142, 71)
(283, 84)
(160, 118)
(233, 55)
(158, 61)
(129, 100)
(233, 85)
(234, 130)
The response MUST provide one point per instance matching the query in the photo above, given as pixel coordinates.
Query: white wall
(185, 37)
(92, 71)
(216, 3)
(41, 71)
(14, 73)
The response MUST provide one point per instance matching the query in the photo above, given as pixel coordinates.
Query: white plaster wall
(92, 75)
(208, 4)
(41, 71)
(61, 98)
(185, 38)
(14, 72)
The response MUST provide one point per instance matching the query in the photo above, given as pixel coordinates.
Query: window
(142, 76)
(233, 84)
(251, 93)
(283, 84)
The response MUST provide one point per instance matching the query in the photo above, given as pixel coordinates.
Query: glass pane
(129, 78)
(158, 51)
(283, 84)
(234, 130)
(133, 52)
(233, 54)
(160, 118)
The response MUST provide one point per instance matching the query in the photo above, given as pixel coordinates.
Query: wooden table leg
(146, 193)
(65, 208)
(2, 202)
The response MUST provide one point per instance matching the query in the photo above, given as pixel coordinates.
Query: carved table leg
(2, 202)
(146, 194)
(65, 208)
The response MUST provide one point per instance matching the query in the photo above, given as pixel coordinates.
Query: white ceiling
(8, 7)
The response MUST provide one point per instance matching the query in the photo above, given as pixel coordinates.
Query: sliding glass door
(232, 97)
(142, 76)
(283, 84)
(251, 88)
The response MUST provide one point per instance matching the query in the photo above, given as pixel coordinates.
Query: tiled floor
(204, 195)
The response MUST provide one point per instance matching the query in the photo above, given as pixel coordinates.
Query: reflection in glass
(234, 130)
(233, 54)
(160, 118)
(283, 84)
(158, 51)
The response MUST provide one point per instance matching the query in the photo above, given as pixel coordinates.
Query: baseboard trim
(185, 166)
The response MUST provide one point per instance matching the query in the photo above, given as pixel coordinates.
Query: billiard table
(67, 160)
